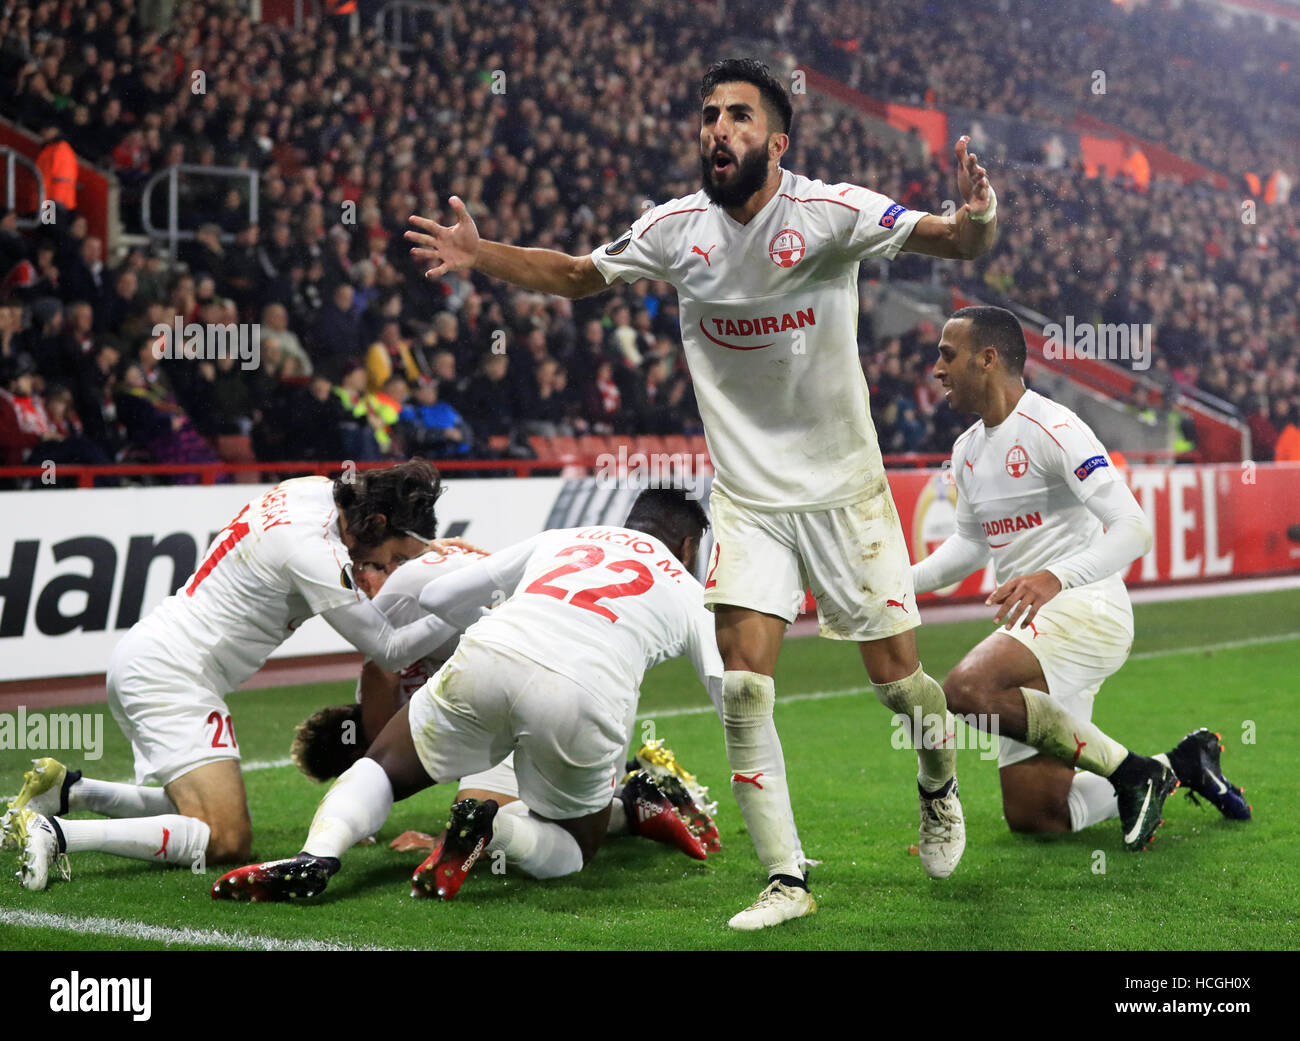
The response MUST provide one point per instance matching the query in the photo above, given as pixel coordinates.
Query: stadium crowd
(362, 358)
(1221, 92)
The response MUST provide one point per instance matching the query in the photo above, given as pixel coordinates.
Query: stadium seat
(677, 444)
(698, 446)
(238, 448)
(499, 443)
(544, 447)
(651, 444)
(564, 449)
(592, 445)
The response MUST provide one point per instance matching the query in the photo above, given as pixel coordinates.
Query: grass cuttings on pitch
(1206, 883)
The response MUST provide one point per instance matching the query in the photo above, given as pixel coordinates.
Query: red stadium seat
(592, 445)
(698, 445)
(564, 449)
(238, 448)
(651, 445)
(544, 447)
(677, 444)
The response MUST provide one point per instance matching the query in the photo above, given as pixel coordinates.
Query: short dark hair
(998, 328)
(404, 494)
(669, 514)
(751, 70)
(321, 747)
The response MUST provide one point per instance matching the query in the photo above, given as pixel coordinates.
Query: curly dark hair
(388, 503)
(328, 742)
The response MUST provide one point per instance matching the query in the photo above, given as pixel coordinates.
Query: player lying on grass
(658, 799)
(765, 264)
(554, 674)
(1037, 493)
(287, 555)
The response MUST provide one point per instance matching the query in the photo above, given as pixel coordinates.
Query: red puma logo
(1034, 628)
(748, 780)
(846, 191)
(1080, 746)
(696, 249)
(166, 838)
(969, 465)
(896, 603)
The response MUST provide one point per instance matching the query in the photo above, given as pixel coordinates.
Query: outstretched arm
(459, 248)
(970, 231)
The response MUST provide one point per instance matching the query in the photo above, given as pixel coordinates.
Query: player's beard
(749, 175)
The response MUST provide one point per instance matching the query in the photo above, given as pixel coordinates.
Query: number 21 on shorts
(222, 729)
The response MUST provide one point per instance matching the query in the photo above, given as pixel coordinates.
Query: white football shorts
(1081, 637)
(854, 559)
(569, 742)
(175, 720)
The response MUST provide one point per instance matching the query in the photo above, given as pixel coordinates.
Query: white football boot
(776, 904)
(45, 790)
(38, 849)
(943, 833)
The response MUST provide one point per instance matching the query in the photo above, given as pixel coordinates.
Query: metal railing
(392, 18)
(174, 234)
(211, 473)
(11, 160)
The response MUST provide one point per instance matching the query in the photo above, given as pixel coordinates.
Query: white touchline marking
(267, 764)
(823, 695)
(160, 934)
(1231, 645)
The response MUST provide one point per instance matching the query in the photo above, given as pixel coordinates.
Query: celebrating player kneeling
(285, 557)
(658, 799)
(1037, 492)
(552, 673)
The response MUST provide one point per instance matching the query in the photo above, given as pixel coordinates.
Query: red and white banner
(1228, 520)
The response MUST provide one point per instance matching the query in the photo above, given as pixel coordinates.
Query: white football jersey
(769, 318)
(1022, 485)
(599, 605)
(278, 563)
(399, 599)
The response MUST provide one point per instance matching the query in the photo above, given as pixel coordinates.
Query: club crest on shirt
(1017, 461)
(787, 248)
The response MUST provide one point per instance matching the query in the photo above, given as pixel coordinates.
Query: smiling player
(1037, 493)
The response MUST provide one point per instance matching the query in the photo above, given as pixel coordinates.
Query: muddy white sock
(919, 699)
(1075, 742)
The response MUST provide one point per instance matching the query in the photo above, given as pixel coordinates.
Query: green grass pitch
(1206, 883)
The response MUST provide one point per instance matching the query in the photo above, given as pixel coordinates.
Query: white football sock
(356, 806)
(112, 799)
(617, 814)
(758, 778)
(165, 838)
(536, 847)
(1092, 800)
(920, 700)
(1075, 742)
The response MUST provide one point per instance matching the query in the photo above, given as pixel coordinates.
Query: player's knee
(1035, 817)
(230, 843)
(964, 692)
